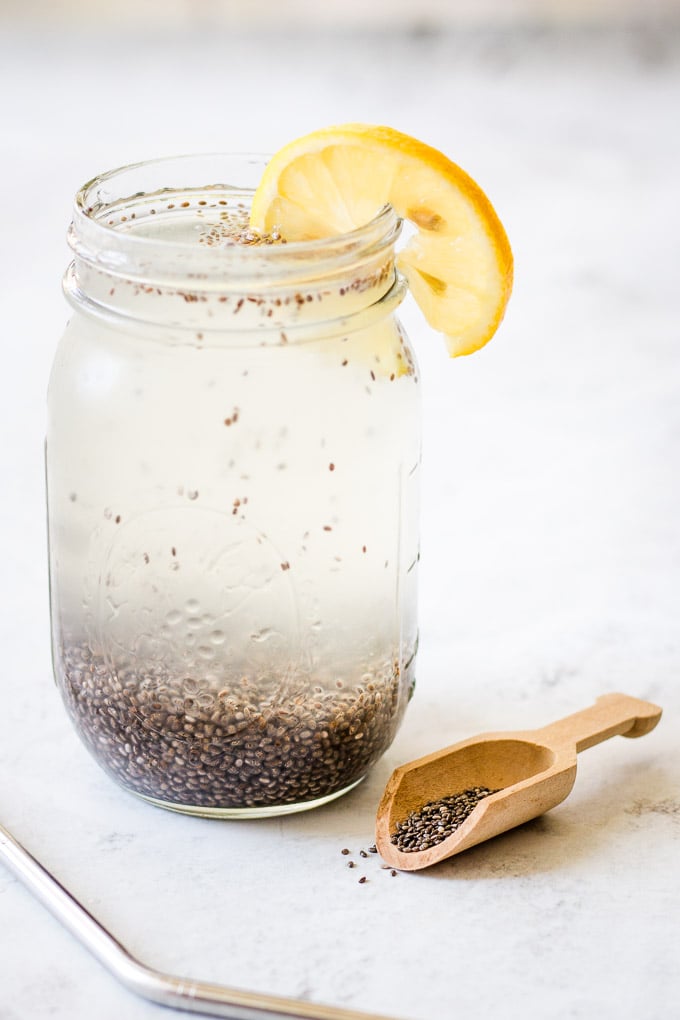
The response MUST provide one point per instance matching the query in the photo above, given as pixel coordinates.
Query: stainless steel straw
(164, 989)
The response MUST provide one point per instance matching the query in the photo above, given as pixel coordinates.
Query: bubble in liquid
(261, 635)
(192, 606)
(173, 617)
(217, 637)
(206, 652)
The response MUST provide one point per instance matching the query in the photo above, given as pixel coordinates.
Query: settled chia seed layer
(242, 744)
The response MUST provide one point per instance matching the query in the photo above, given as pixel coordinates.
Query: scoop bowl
(531, 770)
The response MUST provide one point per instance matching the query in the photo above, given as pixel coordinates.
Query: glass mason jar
(233, 455)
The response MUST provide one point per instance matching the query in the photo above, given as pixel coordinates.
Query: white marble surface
(551, 540)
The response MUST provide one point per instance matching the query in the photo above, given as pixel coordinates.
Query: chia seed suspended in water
(437, 820)
(234, 523)
(249, 742)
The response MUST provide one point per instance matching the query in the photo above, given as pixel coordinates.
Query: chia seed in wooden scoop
(504, 779)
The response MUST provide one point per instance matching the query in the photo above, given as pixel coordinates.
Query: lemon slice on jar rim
(458, 261)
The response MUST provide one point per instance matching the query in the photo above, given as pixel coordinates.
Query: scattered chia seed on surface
(379, 863)
(437, 820)
(240, 742)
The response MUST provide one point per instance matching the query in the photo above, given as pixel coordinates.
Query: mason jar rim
(128, 254)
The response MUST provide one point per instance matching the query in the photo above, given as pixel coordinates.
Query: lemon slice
(458, 262)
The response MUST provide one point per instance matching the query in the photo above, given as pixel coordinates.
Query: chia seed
(237, 742)
(437, 820)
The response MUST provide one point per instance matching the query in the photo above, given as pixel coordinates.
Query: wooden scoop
(532, 770)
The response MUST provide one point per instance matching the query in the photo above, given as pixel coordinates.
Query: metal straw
(164, 989)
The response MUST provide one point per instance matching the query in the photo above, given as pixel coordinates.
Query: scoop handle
(611, 715)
